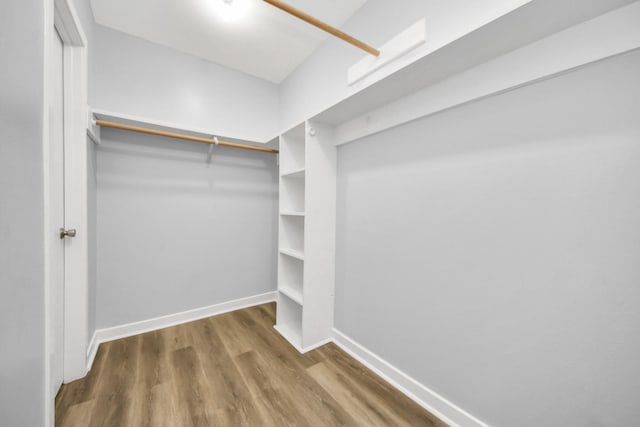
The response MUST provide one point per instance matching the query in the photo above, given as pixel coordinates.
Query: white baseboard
(428, 399)
(130, 329)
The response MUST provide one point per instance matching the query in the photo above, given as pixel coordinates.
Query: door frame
(61, 15)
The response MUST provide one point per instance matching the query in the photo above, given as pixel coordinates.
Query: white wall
(491, 251)
(136, 77)
(22, 316)
(174, 235)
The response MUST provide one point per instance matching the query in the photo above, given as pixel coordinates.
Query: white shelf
(524, 25)
(292, 293)
(131, 120)
(289, 320)
(292, 152)
(308, 164)
(291, 213)
(292, 233)
(291, 277)
(297, 173)
(292, 253)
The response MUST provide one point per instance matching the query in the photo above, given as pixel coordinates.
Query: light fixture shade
(231, 10)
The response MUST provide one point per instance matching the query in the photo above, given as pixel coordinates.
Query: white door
(56, 215)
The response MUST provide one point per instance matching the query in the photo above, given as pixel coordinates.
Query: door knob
(67, 233)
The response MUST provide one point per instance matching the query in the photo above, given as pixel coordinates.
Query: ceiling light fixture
(231, 10)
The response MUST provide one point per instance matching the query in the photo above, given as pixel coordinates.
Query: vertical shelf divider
(307, 221)
(291, 236)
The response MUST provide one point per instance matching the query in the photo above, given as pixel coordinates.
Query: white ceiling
(267, 42)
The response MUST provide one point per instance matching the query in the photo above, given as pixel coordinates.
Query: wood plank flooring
(230, 370)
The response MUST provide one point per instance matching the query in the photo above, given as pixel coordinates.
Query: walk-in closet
(320, 213)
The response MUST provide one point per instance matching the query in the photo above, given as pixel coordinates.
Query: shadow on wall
(156, 163)
(173, 234)
(559, 111)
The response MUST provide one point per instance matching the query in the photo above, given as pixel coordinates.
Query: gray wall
(21, 219)
(174, 235)
(133, 76)
(491, 252)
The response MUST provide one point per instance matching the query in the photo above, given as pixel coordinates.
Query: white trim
(419, 393)
(67, 23)
(60, 15)
(76, 318)
(135, 328)
(76, 213)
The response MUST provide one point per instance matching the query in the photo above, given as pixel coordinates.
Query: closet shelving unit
(306, 259)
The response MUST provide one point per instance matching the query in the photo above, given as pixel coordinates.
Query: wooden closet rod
(185, 137)
(323, 26)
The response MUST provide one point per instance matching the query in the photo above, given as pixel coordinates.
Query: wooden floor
(230, 370)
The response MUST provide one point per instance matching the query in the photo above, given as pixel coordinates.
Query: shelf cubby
(292, 293)
(289, 320)
(292, 253)
(290, 277)
(292, 150)
(292, 233)
(292, 194)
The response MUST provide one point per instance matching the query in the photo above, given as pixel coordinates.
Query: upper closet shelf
(291, 213)
(168, 129)
(531, 21)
